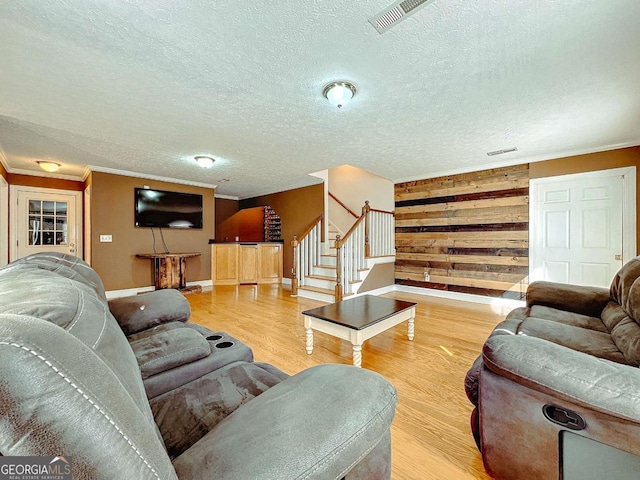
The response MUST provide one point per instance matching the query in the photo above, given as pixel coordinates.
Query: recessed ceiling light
(48, 166)
(204, 161)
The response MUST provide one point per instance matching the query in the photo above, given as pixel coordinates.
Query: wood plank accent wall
(470, 232)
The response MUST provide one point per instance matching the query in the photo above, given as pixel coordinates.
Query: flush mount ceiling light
(48, 166)
(339, 93)
(204, 161)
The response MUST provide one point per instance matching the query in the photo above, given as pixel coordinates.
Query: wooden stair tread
(326, 291)
(332, 267)
(322, 277)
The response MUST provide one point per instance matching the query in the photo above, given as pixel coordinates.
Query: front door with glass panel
(45, 221)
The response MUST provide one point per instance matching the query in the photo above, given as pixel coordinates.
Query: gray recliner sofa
(72, 384)
(556, 390)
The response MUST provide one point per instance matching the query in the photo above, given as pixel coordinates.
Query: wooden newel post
(338, 293)
(294, 277)
(367, 246)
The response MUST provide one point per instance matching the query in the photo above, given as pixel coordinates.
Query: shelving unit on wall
(272, 225)
(256, 224)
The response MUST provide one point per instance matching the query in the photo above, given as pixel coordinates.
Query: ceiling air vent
(500, 152)
(395, 13)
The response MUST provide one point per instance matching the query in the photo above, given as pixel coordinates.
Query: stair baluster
(372, 235)
(338, 289)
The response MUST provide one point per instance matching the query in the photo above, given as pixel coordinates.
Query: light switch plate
(106, 238)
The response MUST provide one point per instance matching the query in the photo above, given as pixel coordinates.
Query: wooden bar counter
(237, 263)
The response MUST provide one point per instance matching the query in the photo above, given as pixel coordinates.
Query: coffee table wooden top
(360, 312)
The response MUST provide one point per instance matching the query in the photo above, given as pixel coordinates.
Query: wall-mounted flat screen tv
(162, 209)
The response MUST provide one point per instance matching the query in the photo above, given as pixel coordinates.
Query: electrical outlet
(427, 277)
(106, 238)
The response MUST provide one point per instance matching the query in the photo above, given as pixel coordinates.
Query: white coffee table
(358, 319)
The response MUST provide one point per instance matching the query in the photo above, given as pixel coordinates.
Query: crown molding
(227, 197)
(3, 159)
(35, 173)
(86, 173)
(519, 161)
(114, 171)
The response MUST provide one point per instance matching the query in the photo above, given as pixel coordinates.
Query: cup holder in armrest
(224, 344)
(213, 338)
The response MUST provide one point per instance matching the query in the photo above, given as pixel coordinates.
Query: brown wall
(225, 208)
(247, 225)
(44, 182)
(624, 157)
(112, 213)
(297, 209)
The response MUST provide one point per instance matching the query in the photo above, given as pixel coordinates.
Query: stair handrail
(382, 222)
(371, 235)
(383, 211)
(346, 236)
(296, 254)
(353, 214)
(308, 230)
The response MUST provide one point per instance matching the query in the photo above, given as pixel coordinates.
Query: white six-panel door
(579, 232)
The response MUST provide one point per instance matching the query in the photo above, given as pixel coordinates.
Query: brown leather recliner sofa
(557, 388)
(169, 399)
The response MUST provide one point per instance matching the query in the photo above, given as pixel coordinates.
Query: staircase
(332, 270)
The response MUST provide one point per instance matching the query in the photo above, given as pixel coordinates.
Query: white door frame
(628, 207)
(13, 214)
(87, 225)
(4, 222)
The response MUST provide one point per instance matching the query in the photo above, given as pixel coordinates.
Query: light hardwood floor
(431, 438)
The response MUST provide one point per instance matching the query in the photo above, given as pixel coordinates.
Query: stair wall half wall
(381, 275)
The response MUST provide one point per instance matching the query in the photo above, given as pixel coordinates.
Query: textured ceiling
(140, 86)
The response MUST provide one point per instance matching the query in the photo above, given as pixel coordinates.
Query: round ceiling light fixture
(204, 161)
(339, 93)
(48, 166)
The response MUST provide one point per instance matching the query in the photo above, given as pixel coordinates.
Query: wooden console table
(170, 270)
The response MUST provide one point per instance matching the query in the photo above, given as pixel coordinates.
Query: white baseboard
(377, 291)
(128, 292)
(286, 282)
(500, 305)
(506, 304)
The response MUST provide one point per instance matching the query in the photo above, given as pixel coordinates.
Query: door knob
(618, 257)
